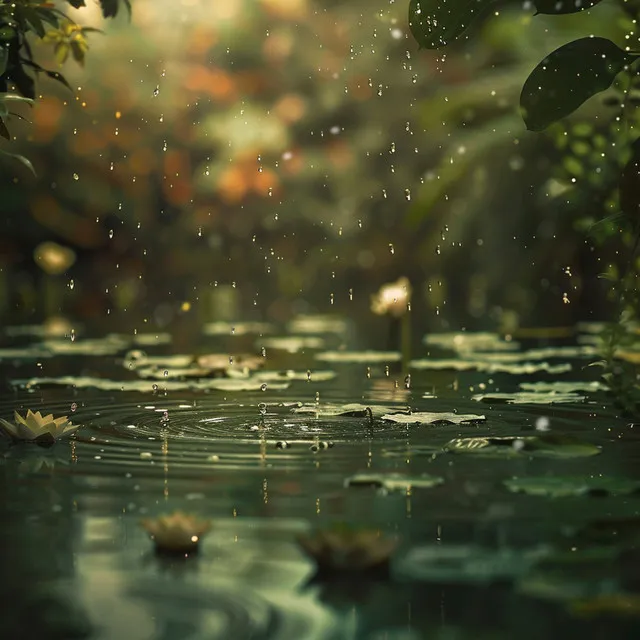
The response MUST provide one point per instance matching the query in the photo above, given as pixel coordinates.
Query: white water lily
(393, 298)
(35, 427)
(176, 533)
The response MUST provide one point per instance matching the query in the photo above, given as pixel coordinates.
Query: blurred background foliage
(258, 158)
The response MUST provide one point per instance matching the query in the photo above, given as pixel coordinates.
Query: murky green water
(475, 559)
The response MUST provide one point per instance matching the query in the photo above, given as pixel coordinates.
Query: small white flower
(35, 427)
(176, 533)
(392, 298)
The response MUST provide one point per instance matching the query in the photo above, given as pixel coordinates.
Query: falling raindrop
(156, 91)
(263, 386)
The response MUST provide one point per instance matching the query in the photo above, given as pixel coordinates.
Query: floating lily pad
(151, 339)
(393, 481)
(468, 564)
(236, 328)
(426, 417)
(481, 341)
(106, 346)
(137, 359)
(290, 374)
(547, 445)
(536, 354)
(353, 410)
(568, 386)
(559, 487)
(529, 397)
(293, 344)
(317, 324)
(142, 386)
(625, 604)
(412, 452)
(359, 356)
(490, 367)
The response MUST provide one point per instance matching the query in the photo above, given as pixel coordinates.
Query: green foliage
(568, 77)
(563, 81)
(20, 21)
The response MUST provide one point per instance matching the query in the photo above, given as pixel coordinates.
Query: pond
(485, 489)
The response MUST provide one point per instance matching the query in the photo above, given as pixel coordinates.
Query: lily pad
(560, 487)
(481, 341)
(468, 564)
(546, 445)
(529, 397)
(568, 386)
(290, 374)
(236, 328)
(353, 410)
(359, 356)
(516, 368)
(293, 344)
(317, 324)
(426, 417)
(393, 481)
(142, 386)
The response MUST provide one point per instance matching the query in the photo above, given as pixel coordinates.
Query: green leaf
(558, 487)
(21, 159)
(4, 58)
(76, 4)
(110, 8)
(436, 23)
(568, 77)
(48, 16)
(4, 132)
(629, 185)
(558, 7)
(388, 482)
(34, 19)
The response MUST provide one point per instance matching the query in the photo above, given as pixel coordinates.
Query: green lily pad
(465, 342)
(517, 368)
(547, 445)
(318, 324)
(426, 417)
(359, 356)
(561, 487)
(393, 481)
(568, 386)
(293, 344)
(468, 564)
(352, 410)
(529, 397)
(236, 328)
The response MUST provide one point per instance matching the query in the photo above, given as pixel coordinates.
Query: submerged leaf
(546, 445)
(568, 77)
(559, 487)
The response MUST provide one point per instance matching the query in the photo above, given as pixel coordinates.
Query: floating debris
(178, 533)
(35, 427)
(427, 417)
(393, 481)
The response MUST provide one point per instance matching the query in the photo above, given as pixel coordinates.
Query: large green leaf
(557, 7)
(21, 159)
(568, 77)
(435, 23)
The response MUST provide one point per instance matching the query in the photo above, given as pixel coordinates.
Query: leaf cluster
(20, 22)
(560, 83)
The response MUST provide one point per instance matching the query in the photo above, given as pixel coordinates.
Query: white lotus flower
(392, 298)
(35, 427)
(176, 533)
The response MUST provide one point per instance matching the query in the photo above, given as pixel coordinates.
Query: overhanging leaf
(436, 23)
(21, 159)
(110, 8)
(568, 77)
(4, 132)
(558, 7)
(4, 58)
